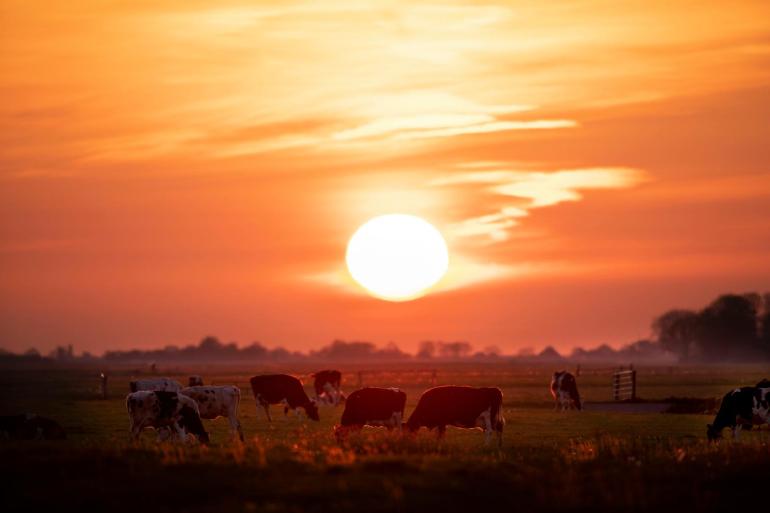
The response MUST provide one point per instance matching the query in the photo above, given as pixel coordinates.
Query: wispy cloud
(531, 189)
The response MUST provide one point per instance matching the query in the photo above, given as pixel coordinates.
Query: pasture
(550, 461)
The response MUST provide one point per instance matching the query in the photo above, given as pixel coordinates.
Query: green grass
(549, 461)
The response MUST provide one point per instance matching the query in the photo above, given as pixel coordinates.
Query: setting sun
(397, 257)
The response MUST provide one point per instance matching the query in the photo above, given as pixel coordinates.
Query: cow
(564, 391)
(282, 388)
(28, 426)
(459, 406)
(155, 385)
(327, 385)
(195, 381)
(217, 401)
(745, 406)
(372, 407)
(164, 411)
(765, 383)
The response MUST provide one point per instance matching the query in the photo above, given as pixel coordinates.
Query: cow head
(713, 433)
(191, 421)
(312, 410)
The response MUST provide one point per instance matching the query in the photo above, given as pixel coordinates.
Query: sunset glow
(177, 168)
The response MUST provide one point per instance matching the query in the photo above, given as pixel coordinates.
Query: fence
(624, 384)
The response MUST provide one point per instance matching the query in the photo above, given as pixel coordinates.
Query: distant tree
(427, 349)
(676, 331)
(728, 327)
(454, 349)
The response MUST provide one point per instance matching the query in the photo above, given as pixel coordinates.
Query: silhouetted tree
(728, 328)
(676, 331)
(454, 349)
(427, 349)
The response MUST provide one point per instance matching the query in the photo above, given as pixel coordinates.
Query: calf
(564, 391)
(164, 410)
(327, 385)
(217, 401)
(195, 381)
(746, 406)
(282, 388)
(30, 427)
(372, 407)
(465, 407)
(155, 385)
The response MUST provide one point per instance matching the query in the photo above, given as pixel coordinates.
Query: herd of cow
(163, 404)
(176, 411)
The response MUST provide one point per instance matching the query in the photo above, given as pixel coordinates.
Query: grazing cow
(327, 385)
(564, 391)
(217, 401)
(195, 381)
(155, 385)
(465, 407)
(164, 410)
(372, 407)
(282, 388)
(746, 406)
(30, 427)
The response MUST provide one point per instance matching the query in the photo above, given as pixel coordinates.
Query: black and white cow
(745, 406)
(155, 385)
(460, 406)
(195, 381)
(282, 388)
(27, 426)
(164, 410)
(218, 401)
(327, 385)
(372, 407)
(564, 391)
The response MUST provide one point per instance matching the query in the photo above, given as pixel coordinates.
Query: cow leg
(399, 423)
(267, 412)
(737, 432)
(180, 432)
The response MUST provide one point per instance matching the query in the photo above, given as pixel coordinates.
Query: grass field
(549, 461)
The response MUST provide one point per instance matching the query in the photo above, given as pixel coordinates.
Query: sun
(397, 257)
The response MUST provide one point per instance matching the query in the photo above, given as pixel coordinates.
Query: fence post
(103, 380)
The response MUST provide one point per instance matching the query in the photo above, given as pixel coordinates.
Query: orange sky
(172, 169)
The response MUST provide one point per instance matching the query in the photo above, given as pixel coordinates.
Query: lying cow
(465, 407)
(30, 427)
(195, 381)
(282, 388)
(327, 385)
(155, 385)
(372, 407)
(164, 410)
(217, 401)
(564, 391)
(746, 406)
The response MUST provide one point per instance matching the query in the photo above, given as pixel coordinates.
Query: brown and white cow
(327, 386)
(460, 406)
(372, 407)
(164, 410)
(28, 426)
(282, 388)
(218, 401)
(564, 391)
(155, 385)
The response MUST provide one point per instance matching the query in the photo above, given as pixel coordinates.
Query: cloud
(530, 189)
